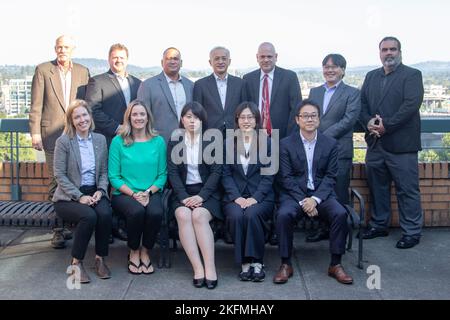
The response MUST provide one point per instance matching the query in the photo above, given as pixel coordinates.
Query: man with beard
(390, 100)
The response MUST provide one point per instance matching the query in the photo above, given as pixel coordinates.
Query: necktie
(265, 106)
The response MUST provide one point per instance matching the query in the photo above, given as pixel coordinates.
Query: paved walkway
(31, 269)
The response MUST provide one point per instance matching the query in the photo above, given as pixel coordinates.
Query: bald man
(283, 93)
(55, 84)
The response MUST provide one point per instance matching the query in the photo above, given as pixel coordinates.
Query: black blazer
(398, 106)
(107, 101)
(235, 181)
(177, 173)
(293, 175)
(284, 99)
(207, 94)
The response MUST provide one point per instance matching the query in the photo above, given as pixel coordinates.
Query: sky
(303, 31)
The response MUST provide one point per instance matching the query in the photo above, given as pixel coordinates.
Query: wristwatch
(150, 193)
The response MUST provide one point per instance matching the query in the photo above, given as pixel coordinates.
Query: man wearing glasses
(340, 106)
(308, 168)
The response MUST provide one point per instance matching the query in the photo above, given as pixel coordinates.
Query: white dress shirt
(192, 153)
(178, 94)
(222, 88)
(261, 84)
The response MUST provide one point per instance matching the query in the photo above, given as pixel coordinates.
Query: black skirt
(212, 205)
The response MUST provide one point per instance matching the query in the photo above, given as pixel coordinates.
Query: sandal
(131, 263)
(147, 266)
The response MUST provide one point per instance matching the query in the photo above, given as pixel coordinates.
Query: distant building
(16, 96)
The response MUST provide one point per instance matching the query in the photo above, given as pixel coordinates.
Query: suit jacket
(105, 96)
(293, 174)
(48, 110)
(284, 99)
(398, 106)
(210, 174)
(235, 181)
(340, 117)
(67, 167)
(207, 94)
(156, 95)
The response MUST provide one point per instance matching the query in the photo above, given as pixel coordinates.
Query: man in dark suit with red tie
(307, 176)
(275, 90)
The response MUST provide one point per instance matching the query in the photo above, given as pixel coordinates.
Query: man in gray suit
(219, 93)
(340, 106)
(167, 93)
(55, 85)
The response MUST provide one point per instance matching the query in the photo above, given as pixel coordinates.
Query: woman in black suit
(196, 194)
(248, 200)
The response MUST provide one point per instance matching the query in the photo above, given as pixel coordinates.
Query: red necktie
(265, 106)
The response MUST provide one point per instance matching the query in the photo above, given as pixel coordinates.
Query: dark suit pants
(330, 210)
(247, 228)
(382, 167)
(343, 180)
(88, 219)
(142, 222)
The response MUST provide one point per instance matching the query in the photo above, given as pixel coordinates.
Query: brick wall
(434, 186)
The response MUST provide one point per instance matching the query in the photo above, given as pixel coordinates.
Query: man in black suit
(219, 93)
(340, 106)
(391, 97)
(109, 93)
(283, 91)
(308, 168)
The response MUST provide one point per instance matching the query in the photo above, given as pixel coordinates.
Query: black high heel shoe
(198, 283)
(211, 284)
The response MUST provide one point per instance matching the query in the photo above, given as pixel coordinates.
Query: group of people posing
(114, 143)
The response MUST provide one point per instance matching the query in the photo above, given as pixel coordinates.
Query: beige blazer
(67, 167)
(47, 100)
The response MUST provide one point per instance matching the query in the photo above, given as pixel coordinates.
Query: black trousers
(330, 210)
(142, 222)
(247, 228)
(88, 219)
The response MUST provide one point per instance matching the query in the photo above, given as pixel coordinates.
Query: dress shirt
(66, 82)
(87, 160)
(178, 94)
(222, 88)
(125, 86)
(245, 160)
(192, 153)
(309, 147)
(261, 83)
(329, 91)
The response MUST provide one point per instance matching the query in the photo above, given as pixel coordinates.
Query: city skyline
(303, 33)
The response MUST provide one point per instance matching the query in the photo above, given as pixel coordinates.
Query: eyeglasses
(249, 118)
(306, 116)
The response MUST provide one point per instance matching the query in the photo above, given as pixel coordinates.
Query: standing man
(275, 90)
(308, 168)
(219, 93)
(109, 93)
(340, 106)
(55, 85)
(167, 93)
(391, 97)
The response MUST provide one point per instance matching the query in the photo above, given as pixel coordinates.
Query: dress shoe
(198, 283)
(321, 234)
(101, 269)
(211, 284)
(84, 277)
(58, 241)
(372, 232)
(339, 274)
(67, 233)
(247, 272)
(258, 272)
(407, 242)
(284, 273)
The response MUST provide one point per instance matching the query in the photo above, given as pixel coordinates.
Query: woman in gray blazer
(81, 171)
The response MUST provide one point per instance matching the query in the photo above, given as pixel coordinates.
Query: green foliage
(359, 155)
(25, 154)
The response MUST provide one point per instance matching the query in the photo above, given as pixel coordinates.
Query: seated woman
(249, 199)
(80, 166)
(196, 195)
(137, 172)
